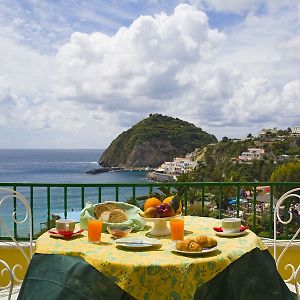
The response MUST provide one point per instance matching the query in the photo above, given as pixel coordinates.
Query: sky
(76, 74)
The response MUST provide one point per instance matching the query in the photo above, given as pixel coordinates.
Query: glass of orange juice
(94, 230)
(177, 228)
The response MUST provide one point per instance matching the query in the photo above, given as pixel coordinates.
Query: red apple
(164, 210)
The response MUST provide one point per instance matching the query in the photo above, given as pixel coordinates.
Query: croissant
(188, 245)
(205, 242)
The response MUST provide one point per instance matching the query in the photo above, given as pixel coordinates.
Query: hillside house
(296, 130)
(251, 154)
(178, 166)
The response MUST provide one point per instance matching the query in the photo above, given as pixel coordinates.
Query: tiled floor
(14, 296)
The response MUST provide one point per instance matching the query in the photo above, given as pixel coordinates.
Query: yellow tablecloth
(156, 274)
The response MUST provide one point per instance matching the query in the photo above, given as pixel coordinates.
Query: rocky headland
(153, 141)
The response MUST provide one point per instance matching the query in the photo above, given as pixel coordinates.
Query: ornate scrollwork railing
(277, 218)
(4, 267)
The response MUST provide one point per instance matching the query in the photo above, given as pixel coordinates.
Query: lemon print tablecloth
(156, 274)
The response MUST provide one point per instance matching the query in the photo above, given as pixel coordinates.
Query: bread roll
(193, 246)
(117, 216)
(99, 209)
(112, 206)
(104, 217)
(205, 242)
(110, 213)
(188, 245)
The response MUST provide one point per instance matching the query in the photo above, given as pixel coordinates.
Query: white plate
(195, 253)
(234, 234)
(137, 243)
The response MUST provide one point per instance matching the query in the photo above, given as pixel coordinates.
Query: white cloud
(177, 64)
(97, 85)
(140, 67)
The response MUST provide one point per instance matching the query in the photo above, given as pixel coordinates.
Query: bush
(195, 209)
(262, 223)
(214, 214)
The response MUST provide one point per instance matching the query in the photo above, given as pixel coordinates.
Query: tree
(249, 136)
(225, 139)
(289, 172)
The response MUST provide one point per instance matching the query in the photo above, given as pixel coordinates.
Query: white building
(178, 166)
(283, 157)
(251, 154)
(296, 130)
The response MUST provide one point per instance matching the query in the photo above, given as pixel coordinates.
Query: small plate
(195, 253)
(138, 243)
(53, 232)
(234, 234)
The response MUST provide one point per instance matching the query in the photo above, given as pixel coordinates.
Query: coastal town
(168, 171)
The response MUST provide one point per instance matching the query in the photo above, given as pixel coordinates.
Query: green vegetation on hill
(219, 162)
(153, 141)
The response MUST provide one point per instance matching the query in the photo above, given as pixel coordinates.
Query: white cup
(231, 225)
(64, 225)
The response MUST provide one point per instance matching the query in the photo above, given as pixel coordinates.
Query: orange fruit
(152, 202)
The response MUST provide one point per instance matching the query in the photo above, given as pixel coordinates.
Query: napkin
(132, 212)
(219, 229)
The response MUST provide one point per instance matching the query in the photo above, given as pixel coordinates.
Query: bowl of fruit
(159, 212)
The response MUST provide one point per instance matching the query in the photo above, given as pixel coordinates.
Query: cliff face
(153, 141)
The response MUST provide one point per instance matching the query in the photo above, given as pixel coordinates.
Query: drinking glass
(177, 228)
(94, 230)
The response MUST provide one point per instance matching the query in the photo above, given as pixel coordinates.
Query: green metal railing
(220, 191)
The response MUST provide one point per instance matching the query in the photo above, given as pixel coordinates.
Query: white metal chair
(9, 289)
(292, 281)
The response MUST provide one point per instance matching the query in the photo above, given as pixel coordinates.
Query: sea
(59, 166)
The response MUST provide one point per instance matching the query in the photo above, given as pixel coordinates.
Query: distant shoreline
(114, 169)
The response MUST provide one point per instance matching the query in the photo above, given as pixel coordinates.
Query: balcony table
(241, 268)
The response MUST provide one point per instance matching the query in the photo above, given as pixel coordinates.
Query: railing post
(99, 194)
(238, 201)
(150, 189)
(220, 201)
(48, 207)
(185, 203)
(202, 200)
(254, 209)
(117, 193)
(15, 214)
(271, 212)
(82, 197)
(65, 201)
(31, 207)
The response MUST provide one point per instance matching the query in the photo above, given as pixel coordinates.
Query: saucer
(54, 233)
(232, 234)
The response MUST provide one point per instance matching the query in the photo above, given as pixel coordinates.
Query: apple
(164, 210)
